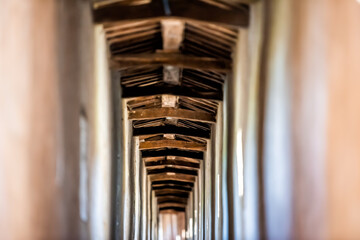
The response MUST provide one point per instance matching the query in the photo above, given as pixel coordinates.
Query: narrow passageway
(172, 72)
(179, 119)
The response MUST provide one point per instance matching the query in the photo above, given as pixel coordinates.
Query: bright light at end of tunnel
(240, 163)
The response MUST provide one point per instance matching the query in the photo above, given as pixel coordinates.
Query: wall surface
(312, 135)
(44, 60)
(29, 120)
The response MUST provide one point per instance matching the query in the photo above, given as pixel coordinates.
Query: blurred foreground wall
(45, 56)
(311, 83)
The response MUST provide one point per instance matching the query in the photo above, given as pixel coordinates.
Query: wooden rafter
(170, 158)
(188, 9)
(172, 199)
(174, 59)
(172, 144)
(171, 186)
(171, 182)
(173, 166)
(169, 190)
(171, 210)
(156, 99)
(134, 92)
(172, 194)
(177, 113)
(103, 3)
(172, 162)
(173, 152)
(164, 205)
(172, 170)
(174, 68)
(172, 177)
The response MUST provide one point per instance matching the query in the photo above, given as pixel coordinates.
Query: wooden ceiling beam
(156, 183)
(172, 162)
(172, 170)
(172, 199)
(171, 166)
(171, 210)
(172, 194)
(172, 144)
(169, 129)
(134, 92)
(104, 3)
(174, 59)
(170, 190)
(171, 158)
(173, 152)
(187, 9)
(173, 177)
(164, 205)
(171, 186)
(228, 4)
(151, 113)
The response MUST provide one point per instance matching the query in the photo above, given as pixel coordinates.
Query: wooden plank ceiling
(173, 67)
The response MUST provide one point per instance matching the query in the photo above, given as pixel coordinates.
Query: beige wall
(28, 95)
(312, 69)
(43, 60)
(342, 35)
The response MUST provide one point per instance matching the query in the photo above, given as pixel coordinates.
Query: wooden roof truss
(172, 71)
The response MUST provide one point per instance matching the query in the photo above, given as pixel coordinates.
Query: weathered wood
(171, 158)
(169, 129)
(173, 177)
(172, 209)
(172, 170)
(104, 3)
(164, 205)
(172, 152)
(174, 59)
(133, 92)
(156, 183)
(229, 3)
(169, 190)
(173, 144)
(172, 162)
(179, 8)
(172, 194)
(171, 187)
(172, 199)
(152, 113)
(167, 166)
